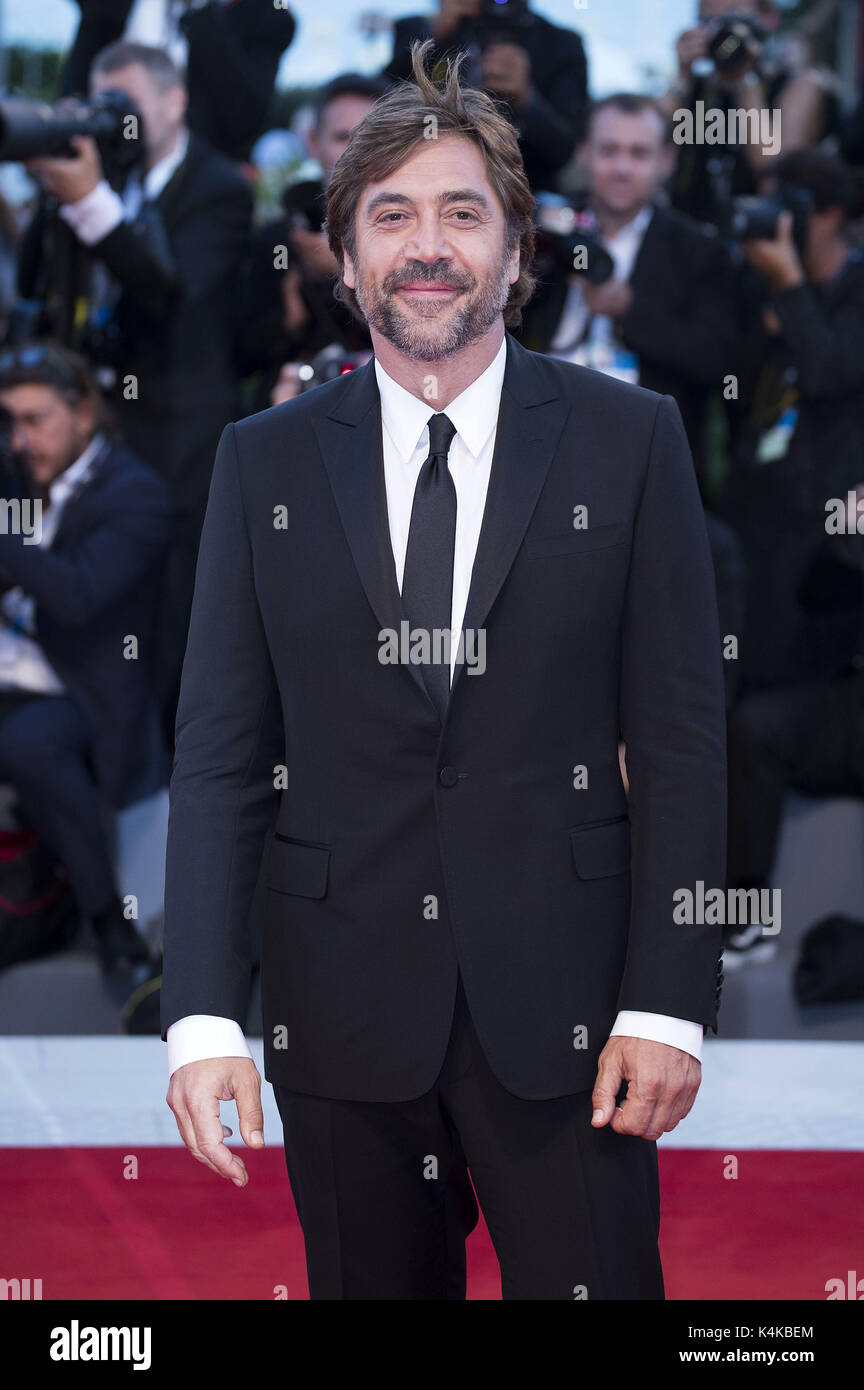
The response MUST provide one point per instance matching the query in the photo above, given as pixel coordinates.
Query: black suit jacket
(176, 266)
(681, 324)
(234, 56)
(400, 847)
(96, 585)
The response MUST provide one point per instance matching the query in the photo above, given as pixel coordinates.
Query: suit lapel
(351, 442)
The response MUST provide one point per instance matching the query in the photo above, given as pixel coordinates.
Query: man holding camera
(800, 444)
(229, 49)
(538, 69)
(723, 64)
(156, 263)
(800, 416)
(289, 312)
(659, 316)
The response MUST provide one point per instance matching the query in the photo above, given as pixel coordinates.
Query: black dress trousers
(385, 1200)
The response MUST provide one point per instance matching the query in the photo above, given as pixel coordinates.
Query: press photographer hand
(506, 70)
(69, 179)
(777, 260)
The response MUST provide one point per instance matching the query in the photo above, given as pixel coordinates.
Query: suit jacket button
(448, 776)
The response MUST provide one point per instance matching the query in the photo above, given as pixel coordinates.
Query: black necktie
(427, 583)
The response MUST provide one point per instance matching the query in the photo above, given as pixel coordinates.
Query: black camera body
(39, 129)
(501, 21)
(304, 206)
(567, 242)
(730, 38)
(329, 363)
(752, 219)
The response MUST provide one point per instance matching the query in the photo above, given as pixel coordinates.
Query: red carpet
(788, 1223)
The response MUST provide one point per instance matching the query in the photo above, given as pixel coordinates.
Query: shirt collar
(63, 484)
(635, 229)
(156, 178)
(474, 411)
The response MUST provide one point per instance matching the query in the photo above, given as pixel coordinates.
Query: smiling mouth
(429, 289)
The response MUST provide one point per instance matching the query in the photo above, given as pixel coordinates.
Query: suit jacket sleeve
(672, 722)
(234, 56)
(684, 321)
(228, 743)
(123, 544)
(203, 251)
(552, 121)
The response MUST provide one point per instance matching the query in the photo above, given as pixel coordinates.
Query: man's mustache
(420, 274)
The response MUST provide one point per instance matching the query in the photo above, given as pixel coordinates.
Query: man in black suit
(157, 265)
(79, 729)
(538, 69)
(230, 49)
(664, 319)
(452, 954)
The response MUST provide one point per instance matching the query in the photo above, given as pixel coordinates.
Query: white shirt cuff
(200, 1036)
(662, 1028)
(94, 215)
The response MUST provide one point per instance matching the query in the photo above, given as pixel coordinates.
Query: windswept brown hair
(400, 122)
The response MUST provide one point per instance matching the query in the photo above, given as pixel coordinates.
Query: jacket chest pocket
(300, 867)
(575, 542)
(602, 848)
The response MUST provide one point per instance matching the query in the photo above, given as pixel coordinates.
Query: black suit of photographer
(264, 340)
(816, 365)
(551, 123)
(234, 56)
(679, 325)
(173, 268)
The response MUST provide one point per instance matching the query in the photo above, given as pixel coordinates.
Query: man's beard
(473, 316)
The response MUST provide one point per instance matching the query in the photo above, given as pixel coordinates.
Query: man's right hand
(451, 15)
(194, 1093)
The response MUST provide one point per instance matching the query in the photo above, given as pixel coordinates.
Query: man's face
(162, 110)
(626, 160)
(338, 119)
(47, 430)
(431, 269)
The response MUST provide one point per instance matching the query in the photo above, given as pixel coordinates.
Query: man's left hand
(506, 70)
(70, 180)
(777, 260)
(662, 1082)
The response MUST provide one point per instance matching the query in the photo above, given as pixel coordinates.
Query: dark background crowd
(154, 288)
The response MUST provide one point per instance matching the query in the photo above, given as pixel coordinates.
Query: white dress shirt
(101, 210)
(405, 435)
(23, 664)
(590, 341)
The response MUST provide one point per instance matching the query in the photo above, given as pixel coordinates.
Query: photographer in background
(654, 305)
(809, 735)
(800, 426)
(230, 50)
(288, 311)
(539, 70)
(156, 266)
(79, 727)
(725, 61)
